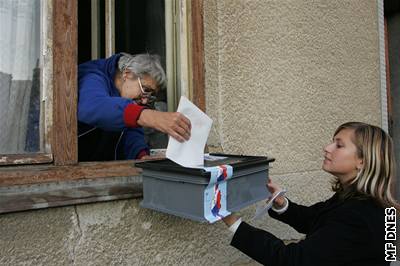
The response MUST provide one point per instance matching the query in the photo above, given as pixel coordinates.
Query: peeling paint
(23, 161)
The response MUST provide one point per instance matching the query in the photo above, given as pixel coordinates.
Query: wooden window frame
(59, 183)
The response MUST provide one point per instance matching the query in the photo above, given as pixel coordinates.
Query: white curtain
(19, 57)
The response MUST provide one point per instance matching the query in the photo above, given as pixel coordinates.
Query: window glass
(19, 76)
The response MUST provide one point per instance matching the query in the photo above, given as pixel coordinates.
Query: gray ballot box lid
(238, 162)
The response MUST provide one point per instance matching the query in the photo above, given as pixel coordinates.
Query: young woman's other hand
(279, 202)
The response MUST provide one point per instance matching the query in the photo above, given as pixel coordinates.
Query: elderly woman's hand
(174, 124)
(279, 202)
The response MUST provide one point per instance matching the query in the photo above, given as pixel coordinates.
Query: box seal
(215, 194)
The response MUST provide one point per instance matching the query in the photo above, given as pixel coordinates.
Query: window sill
(36, 187)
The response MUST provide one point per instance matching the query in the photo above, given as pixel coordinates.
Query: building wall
(280, 77)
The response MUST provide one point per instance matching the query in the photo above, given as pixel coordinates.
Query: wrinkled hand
(279, 202)
(174, 124)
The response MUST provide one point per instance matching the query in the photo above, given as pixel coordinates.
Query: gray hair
(142, 64)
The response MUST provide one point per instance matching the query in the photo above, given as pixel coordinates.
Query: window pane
(19, 76)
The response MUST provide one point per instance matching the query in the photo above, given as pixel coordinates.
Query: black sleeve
(339, 239)
(298, 216)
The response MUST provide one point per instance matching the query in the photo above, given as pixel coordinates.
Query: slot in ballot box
(225, 184)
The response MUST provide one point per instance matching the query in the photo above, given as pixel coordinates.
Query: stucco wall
(111, 233)
(280, 76)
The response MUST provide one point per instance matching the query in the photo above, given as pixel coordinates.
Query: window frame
(65, 173)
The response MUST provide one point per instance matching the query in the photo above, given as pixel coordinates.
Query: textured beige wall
(280, 76)
(111, 233)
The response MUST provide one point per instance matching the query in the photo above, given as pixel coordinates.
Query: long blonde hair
(376, 178)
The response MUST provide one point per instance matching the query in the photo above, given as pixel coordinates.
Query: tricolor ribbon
(215, 194)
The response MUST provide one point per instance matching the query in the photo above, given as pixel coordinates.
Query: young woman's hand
(230, 219)
(279, 202)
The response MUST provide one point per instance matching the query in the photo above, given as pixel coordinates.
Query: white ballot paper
(261, 210)
(191, 152)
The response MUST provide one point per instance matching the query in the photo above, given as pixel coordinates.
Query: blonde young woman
(348, 228)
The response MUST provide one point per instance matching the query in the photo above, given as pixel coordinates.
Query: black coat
(349, 232)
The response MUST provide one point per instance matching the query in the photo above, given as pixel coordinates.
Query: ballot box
(225, 184)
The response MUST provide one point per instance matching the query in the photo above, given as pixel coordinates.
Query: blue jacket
(101, 106)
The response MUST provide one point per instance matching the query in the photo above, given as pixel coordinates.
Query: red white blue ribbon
(215, 194)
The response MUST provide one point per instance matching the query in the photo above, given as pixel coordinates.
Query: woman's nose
(328, 147)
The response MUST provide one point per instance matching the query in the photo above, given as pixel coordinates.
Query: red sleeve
(142, 153)
(131, 114)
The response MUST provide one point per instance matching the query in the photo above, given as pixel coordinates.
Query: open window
(60, 179)
(143, 26)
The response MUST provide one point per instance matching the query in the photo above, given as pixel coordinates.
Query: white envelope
(190, 153)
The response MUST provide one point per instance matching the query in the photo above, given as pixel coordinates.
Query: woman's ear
(125, 74)
(360, 164)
